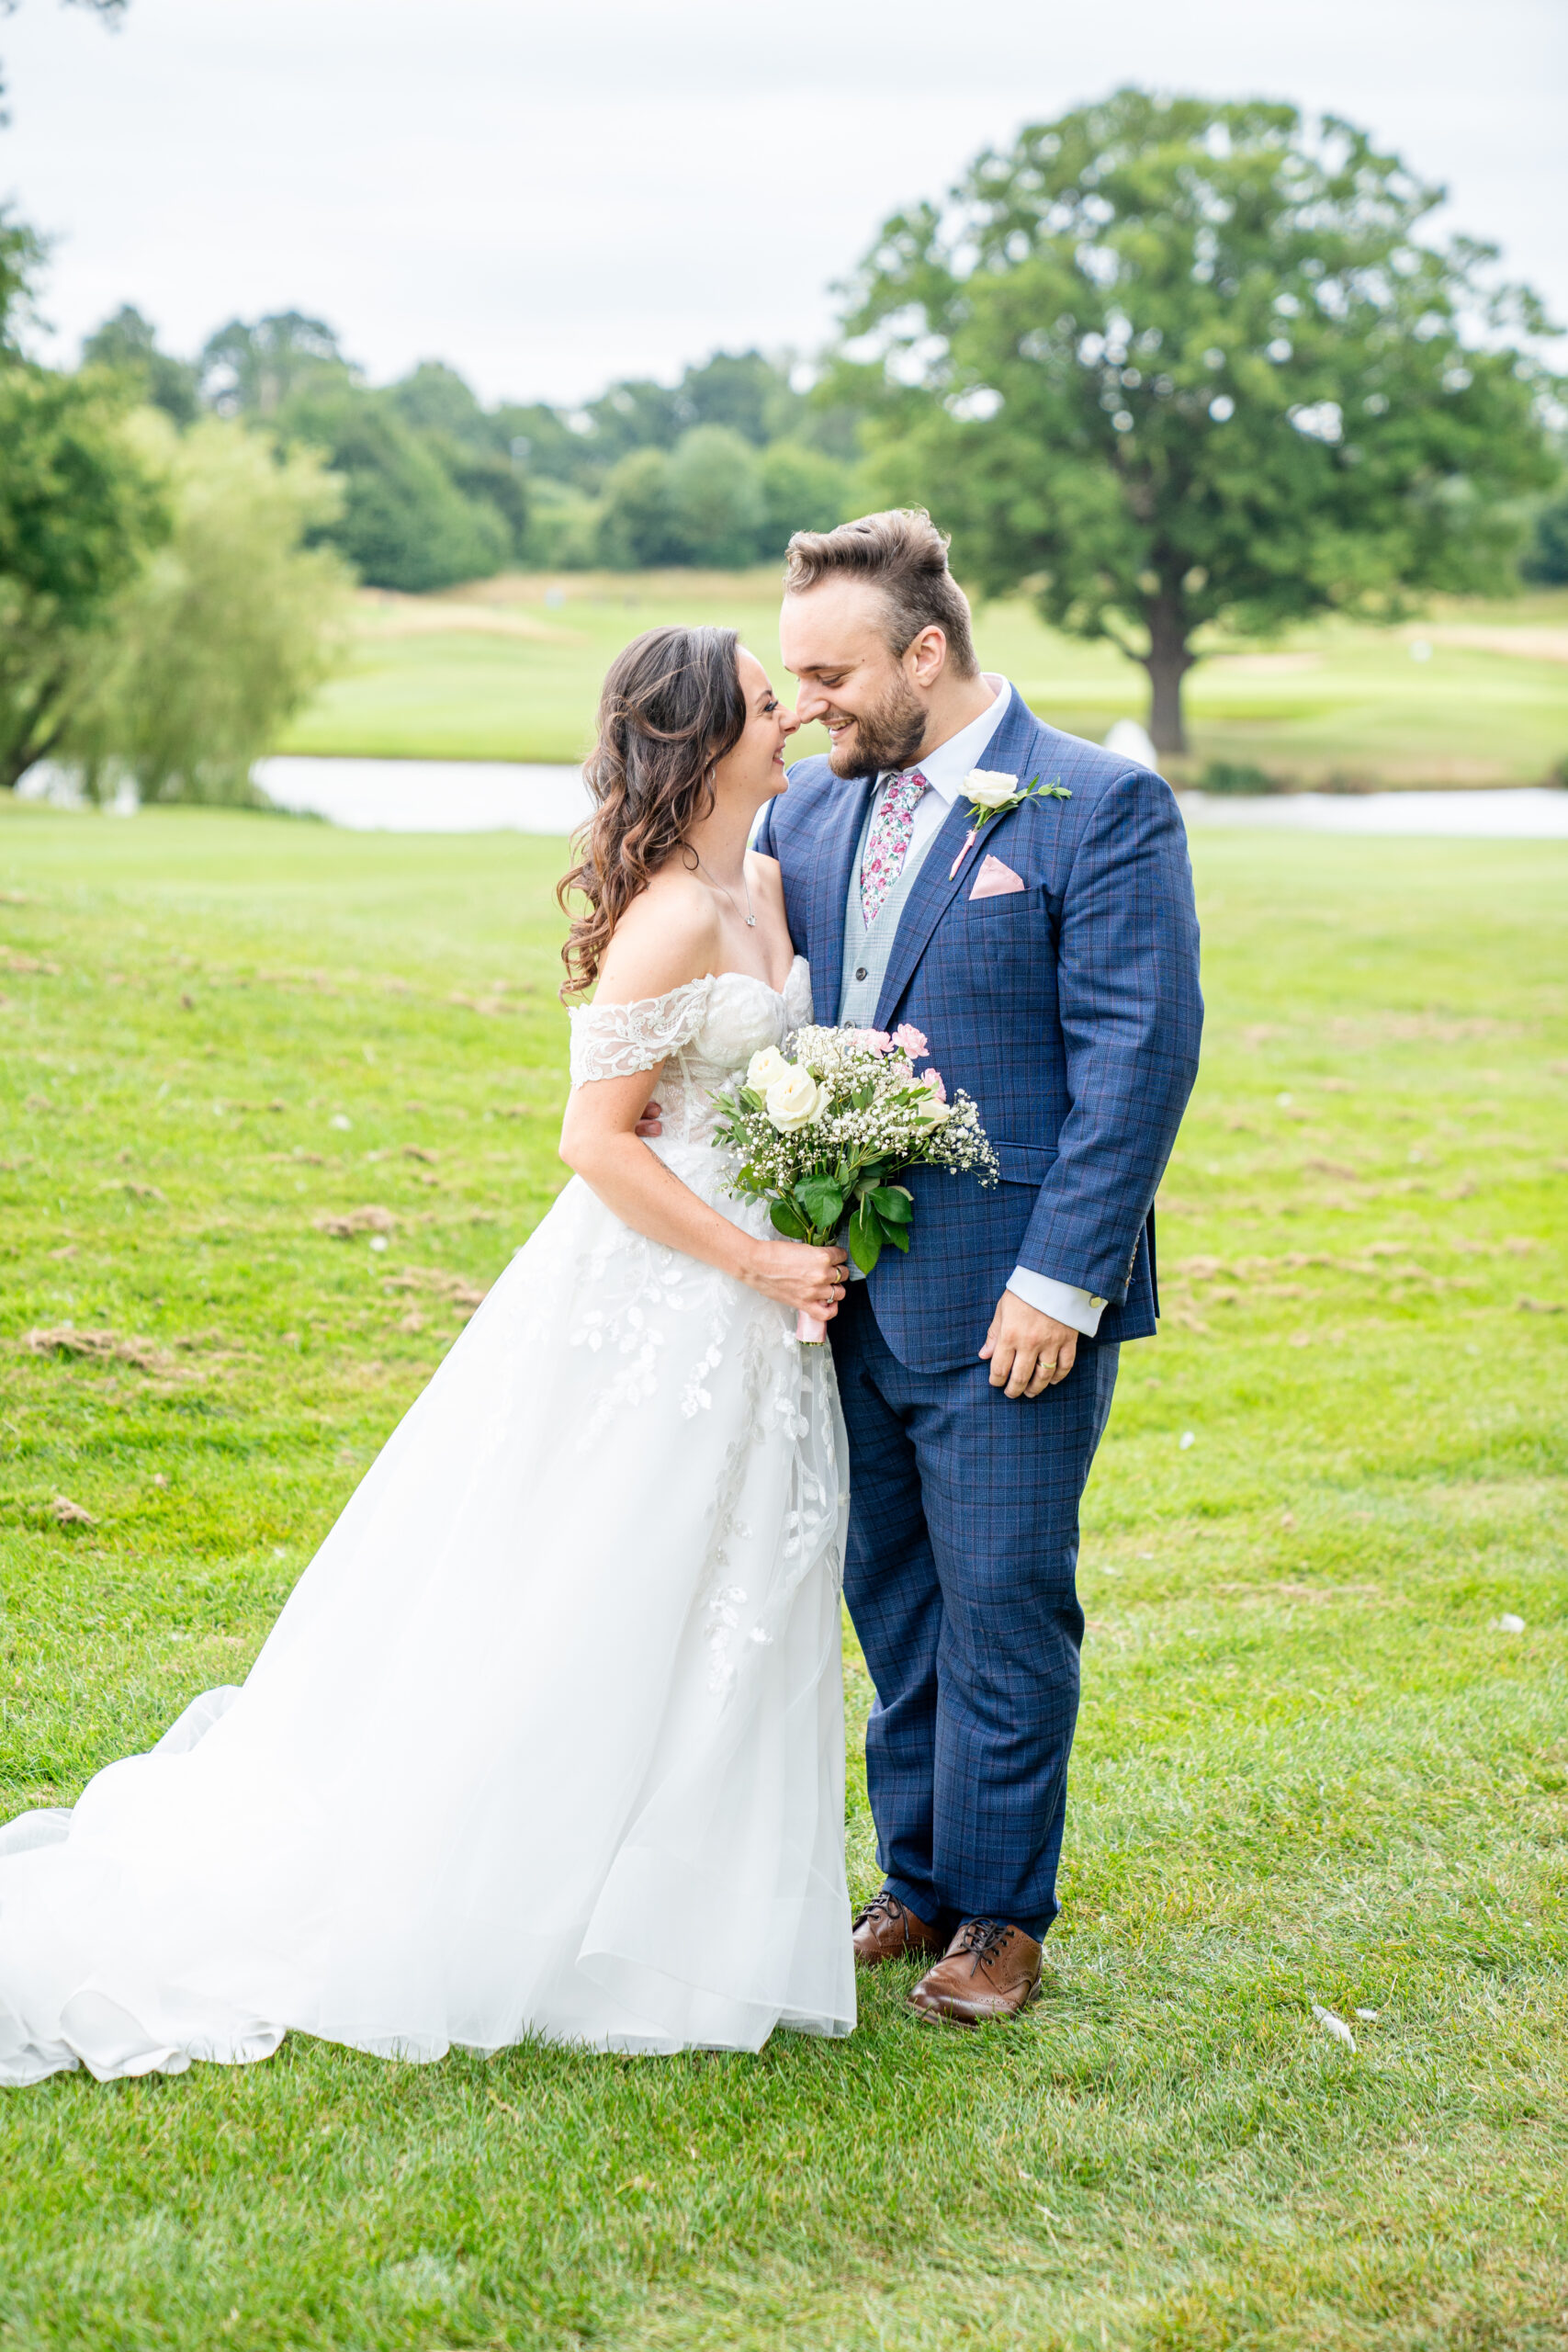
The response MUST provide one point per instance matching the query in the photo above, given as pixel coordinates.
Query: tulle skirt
(546, 1741)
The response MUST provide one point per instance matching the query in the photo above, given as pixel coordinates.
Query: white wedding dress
(548, 1739)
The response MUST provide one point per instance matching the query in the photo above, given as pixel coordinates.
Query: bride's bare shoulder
(667, 935)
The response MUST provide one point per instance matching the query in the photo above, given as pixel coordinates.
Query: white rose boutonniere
(990, 789)
(991, 793)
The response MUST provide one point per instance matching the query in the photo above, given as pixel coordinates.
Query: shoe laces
(983, 1939)
(881, 1906)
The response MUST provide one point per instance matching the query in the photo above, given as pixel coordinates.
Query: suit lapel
(830, 889)
(936, 885)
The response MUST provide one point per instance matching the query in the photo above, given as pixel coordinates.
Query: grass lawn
(1312, 1766)
(495, 673)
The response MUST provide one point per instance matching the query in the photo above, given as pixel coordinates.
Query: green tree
(435, 403)
(633, 415)
(21, 255)
(228, 630)
(80, 509)
(404, 524)
(637, 522)
(432, 398)
(251, 368)
(802, 491)
(741, 390)
(1174, 362)
(1546, 558)
(716, 498)
(128, 343)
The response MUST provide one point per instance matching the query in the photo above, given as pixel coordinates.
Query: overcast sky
(547, 197)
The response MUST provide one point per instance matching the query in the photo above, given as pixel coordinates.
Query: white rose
(932, 1109)
(795, 1100)
(765, 1068)
(989, 787)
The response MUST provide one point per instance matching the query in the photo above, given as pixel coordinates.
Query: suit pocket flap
(1023, 1164)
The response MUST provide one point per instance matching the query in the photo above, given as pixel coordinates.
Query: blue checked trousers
(961, 1577)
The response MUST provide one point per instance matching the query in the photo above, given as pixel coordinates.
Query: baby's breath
(878, 1115)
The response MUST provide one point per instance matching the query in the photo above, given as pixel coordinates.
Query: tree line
(717, 469)
(1161, 365)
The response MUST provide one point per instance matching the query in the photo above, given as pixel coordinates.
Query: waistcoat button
(860, 971)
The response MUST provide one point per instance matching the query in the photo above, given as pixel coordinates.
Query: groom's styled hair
(902, 553)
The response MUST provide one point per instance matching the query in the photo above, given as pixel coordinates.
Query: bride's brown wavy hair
(671, 708)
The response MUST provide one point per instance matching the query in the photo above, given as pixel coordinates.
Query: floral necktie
(887, 844)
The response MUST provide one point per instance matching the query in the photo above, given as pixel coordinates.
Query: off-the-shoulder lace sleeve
(617, 1040)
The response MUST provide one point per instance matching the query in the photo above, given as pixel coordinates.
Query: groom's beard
(887, 737)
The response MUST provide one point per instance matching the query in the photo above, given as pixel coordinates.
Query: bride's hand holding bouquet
(824, 1137)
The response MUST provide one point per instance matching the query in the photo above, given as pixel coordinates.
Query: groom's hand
(1028, 1351)
(649, 1124)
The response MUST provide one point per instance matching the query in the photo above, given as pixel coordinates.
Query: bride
(548, 1739)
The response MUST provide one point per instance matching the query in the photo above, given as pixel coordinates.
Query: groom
(1053, 963)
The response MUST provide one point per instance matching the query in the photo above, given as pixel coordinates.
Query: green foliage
(434, 398)
(21, 257)
(440, 489)
(228, 630)
(80, 510)
(743, 391)
(128, 343)
(1234, 775)
(1174, 362)
(253, 370)
(637, 522)
(715, 501)
(717, 505)
(405, 524)
(802, 489)
(1309, 1765)
(1546, 558)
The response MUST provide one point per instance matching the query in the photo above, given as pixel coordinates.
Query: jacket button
(860, 971)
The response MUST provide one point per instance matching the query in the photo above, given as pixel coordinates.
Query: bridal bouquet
(823, 1137)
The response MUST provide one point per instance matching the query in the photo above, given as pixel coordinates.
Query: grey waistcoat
(870, 951)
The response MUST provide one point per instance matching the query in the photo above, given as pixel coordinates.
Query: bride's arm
(599, 1144)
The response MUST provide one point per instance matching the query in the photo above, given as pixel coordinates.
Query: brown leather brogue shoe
(888, 1930)
(989, 1970)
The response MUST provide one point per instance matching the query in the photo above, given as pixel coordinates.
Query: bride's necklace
(750, 919)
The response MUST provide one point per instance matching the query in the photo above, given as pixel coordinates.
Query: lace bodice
(702, 1032)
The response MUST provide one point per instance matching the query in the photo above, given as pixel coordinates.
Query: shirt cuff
(1061, 1301)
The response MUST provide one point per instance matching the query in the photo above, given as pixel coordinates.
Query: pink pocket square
(995, 880)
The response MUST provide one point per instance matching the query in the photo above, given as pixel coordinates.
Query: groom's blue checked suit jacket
(1069, 1009)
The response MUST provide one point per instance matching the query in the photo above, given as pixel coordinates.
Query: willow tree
(1170, 363)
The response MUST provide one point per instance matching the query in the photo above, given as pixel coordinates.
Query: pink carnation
(878, 1039)
(932, 1077)
(910, 1040)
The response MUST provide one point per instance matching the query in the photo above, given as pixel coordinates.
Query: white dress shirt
(944, 771)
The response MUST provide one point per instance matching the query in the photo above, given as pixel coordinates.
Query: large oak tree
(1170, 362)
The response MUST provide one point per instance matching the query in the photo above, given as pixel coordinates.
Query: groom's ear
(925, 656)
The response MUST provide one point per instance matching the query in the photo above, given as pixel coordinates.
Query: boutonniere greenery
(992, 793)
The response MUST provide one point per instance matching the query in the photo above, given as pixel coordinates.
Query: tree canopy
(1172, 362)
(128, 344)
(79, 512)
(225, 631)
